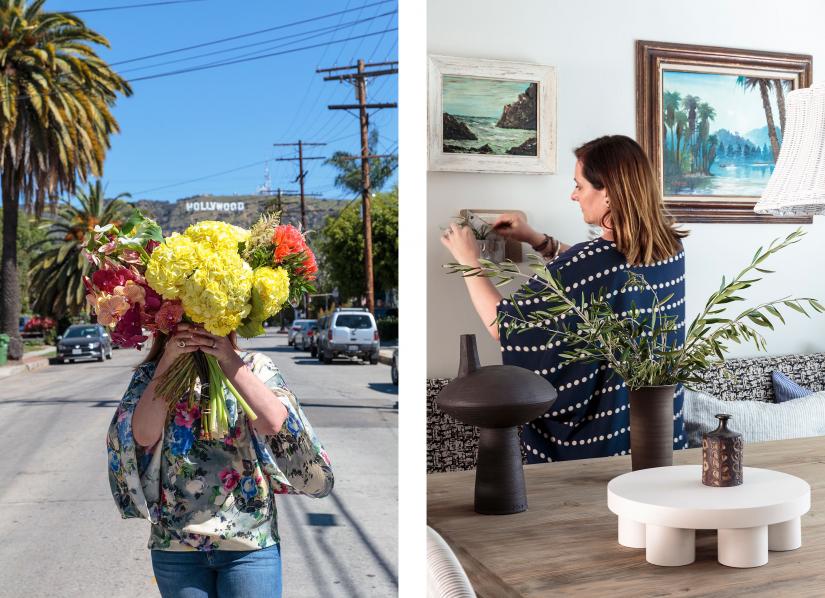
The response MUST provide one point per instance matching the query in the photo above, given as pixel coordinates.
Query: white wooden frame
(545, 76)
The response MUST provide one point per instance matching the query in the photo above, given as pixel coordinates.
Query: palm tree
(706, 114)
(691, 103)
(58, 266)
(681, 127)
(56, 96)
(779, 86)
(748, 83)
(670, 103)
(349, 170)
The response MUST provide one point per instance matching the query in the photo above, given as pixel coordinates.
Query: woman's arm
(514, 226)
(484, 295)
(149, 418)
(271, 413)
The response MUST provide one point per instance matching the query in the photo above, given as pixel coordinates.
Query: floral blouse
(214, 494)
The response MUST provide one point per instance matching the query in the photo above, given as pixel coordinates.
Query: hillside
(242, 210)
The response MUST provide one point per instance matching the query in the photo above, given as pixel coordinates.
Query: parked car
(303, 338)
(349, 332)
(394, 367)
(313, 344)
(84, 341)
(296, 327)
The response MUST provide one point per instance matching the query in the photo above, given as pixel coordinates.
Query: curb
(34, 364)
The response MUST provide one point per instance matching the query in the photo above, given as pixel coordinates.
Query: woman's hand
(514, 226)
(219, 347)
(461, 243)
(173, 349)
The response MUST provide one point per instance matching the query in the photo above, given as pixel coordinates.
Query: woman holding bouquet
(211, 502)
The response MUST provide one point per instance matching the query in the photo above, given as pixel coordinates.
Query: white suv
(348, 332)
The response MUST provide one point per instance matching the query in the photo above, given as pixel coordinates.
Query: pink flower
(169, 316)
(130, 256)
(184, 416)
(128, 332)
(150, 246)
(229, 478)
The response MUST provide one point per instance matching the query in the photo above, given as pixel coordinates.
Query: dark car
(84, 341)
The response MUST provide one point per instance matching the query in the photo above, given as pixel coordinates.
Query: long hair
(642, 228)
(159, 340)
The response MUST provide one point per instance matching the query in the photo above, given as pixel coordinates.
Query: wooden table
(565, 543)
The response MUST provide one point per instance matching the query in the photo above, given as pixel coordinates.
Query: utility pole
(302, 173)
(359, 81)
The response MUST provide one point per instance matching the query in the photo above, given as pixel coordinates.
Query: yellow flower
(171, 263)
(272, 286)
(218, 236)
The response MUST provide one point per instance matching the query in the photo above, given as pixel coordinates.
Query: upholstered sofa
(452, 446)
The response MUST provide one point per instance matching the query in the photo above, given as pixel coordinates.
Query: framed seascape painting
(491, 116)
(711, 120)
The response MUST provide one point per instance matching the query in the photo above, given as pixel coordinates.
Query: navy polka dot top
(591, 416)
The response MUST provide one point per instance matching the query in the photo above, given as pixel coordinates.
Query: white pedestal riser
(744, 547)
(670, 546)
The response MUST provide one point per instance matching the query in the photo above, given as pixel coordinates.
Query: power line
(208, 176)
(231, 62)
(242, 35)
(125, 6)
(323, 30)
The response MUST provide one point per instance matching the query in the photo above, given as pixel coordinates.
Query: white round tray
(659, 509)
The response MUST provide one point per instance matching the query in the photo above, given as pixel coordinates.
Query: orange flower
(288, 241)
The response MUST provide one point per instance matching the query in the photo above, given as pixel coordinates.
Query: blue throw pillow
(786, 389)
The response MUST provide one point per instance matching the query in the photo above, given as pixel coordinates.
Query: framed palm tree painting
(711, 120)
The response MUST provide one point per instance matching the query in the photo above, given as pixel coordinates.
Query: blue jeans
(219, 573)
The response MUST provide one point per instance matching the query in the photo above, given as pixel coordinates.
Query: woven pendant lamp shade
(797, 185)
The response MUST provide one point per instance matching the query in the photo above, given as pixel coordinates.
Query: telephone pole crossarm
(358, 106)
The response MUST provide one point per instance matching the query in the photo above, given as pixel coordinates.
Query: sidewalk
(385, 353)
(31, 361)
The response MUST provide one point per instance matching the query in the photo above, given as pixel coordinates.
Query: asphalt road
(62, 536)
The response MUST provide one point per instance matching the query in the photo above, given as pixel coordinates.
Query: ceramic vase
(722, 455)
(651, 426)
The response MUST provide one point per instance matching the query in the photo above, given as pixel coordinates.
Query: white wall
(591, 45)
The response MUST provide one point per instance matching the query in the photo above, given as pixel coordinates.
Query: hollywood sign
(214, 206)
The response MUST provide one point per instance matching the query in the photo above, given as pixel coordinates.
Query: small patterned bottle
(722, 455)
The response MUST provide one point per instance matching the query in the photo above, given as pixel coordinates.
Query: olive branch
(639, 345)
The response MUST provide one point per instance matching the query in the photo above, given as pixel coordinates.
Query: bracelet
(541, 246)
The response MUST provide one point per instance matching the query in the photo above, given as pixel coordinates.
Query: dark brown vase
(497, 399)
(722, 455)
(651, 426)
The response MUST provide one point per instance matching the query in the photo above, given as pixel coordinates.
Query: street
(62, 535)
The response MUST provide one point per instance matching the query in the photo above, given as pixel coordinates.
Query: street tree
(58, 266)
(56, 96)
(341, 246)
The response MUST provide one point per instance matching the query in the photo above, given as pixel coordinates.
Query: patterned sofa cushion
(451, 445)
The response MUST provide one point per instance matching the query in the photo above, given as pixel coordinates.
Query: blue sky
(737, 110)
(192, 125)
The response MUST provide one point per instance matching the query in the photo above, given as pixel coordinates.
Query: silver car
(349, 332)
(297, 326)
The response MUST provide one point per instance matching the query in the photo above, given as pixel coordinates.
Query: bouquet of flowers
(215, 274)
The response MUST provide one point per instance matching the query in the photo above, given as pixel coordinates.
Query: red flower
(310, 267)
(288, 241)
(150, 246)
(128, 332)
(107, 279)
(185, 416)
(229, 478)
(169, 316)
